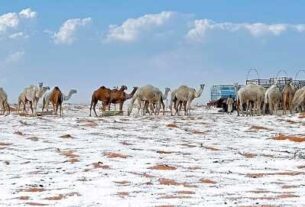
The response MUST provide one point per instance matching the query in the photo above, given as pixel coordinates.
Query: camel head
(167, 90)
(123, 88)
(199, 92)
(41, 91)
(73, 91)
(128, 96)
(45, 88)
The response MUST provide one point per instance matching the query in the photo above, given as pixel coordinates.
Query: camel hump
(102, 87)
(56, 88)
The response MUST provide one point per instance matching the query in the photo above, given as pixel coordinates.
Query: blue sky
(86, 44)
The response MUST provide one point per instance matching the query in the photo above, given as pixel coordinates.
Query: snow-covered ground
(206, 159)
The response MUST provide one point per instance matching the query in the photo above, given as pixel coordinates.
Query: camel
(298, 100)
(46, 98)
(249, 94)
(108, 96)
(56, 98)
(184, 96)
(152, 106)
(32, 94)
(288, 94)
(118, 96)
(147, 94)
(102, 94)
(273, 98)
(3, 101)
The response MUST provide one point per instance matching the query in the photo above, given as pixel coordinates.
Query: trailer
(222, 91)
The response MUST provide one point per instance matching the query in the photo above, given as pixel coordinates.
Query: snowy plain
(206, 159)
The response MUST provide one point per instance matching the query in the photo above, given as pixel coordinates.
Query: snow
(206, 159)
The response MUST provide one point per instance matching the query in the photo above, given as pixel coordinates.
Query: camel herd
(31, 96)
(255, 99)
(250, 99)
(149, 98)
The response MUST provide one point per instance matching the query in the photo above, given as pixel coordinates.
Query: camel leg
(35, 107)
(60, 109)
(188, 107)
(94, 105)
(247, 107)
(43, 104)
(31, 107)
(290, 107)
(270, 108)
(284, 108)
(3, 108)
(157, 108)
(121, 106)
(163, 106)
(139, 106)
(54, 108)
(131, 105)
(144, 109)
(176, 108)
(7, 108)
(91, 107)
(24, 107)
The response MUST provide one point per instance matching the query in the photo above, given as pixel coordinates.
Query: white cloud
(300, 27)
(259, 29)
(14, 57)
(130, 29)
(18, 35)
(27, 13)
(200, 27)
(66, 33)
(10, 21)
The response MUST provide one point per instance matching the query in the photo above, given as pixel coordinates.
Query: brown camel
(108, 96)
(102, 94)
(118, 96)
(288, 93)
(56, 99)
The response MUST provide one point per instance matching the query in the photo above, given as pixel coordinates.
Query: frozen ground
(207, 159)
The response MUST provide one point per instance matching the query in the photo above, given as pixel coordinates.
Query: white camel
(31, 95)
(147, 94)
(250, 94)
(298, 101)
(152, 105)
(184, 95)
(46, 98)
(273, 97)
(3, 101)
